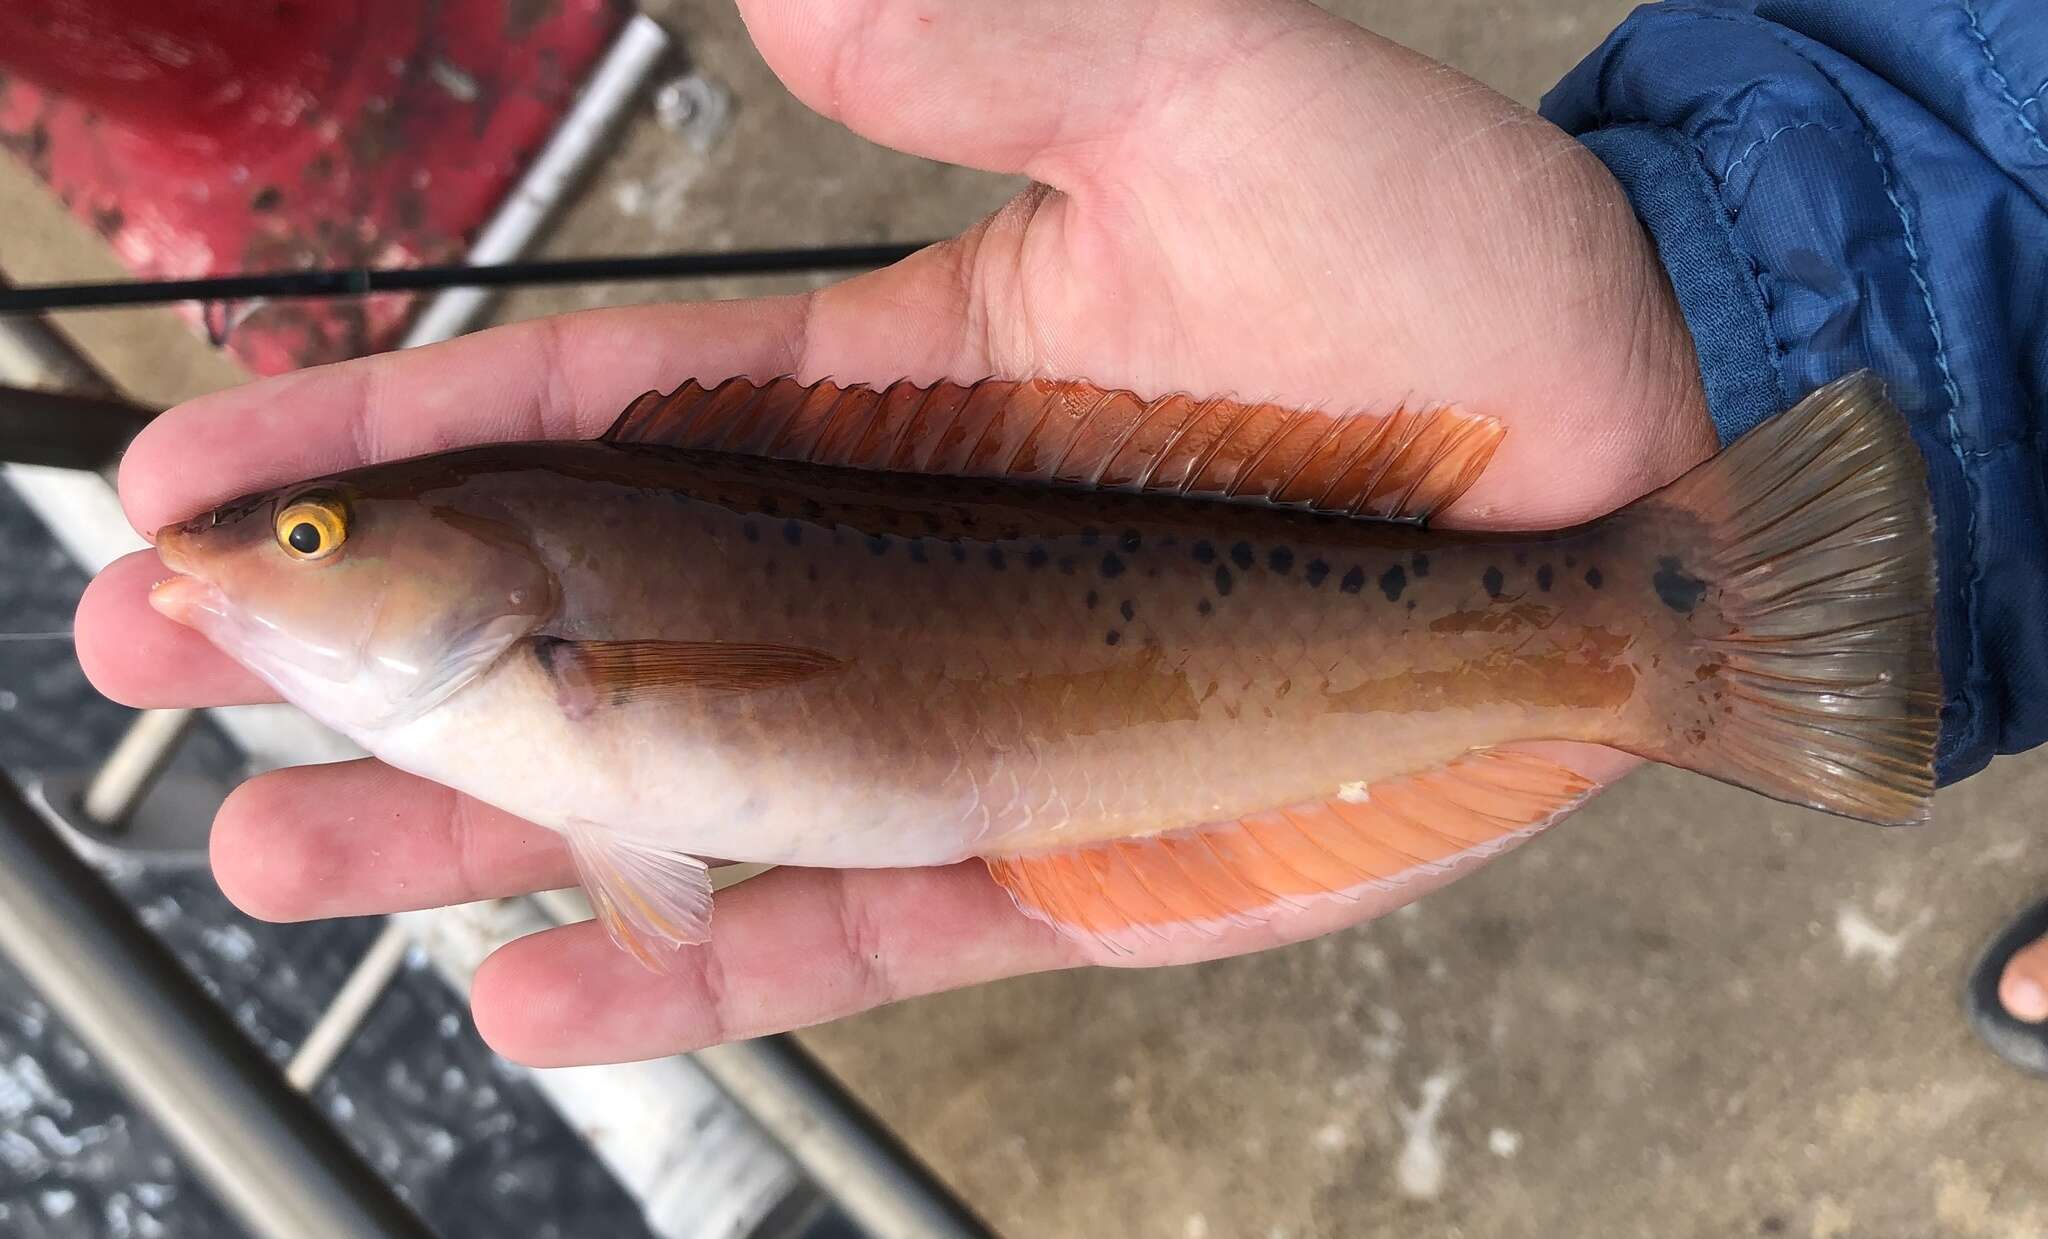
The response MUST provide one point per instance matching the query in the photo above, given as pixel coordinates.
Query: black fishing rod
(364, 281)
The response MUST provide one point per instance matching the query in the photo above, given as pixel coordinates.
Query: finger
(797, 947)
(1061, 90)
(559, 378)
(790, 948)
(138, 658)
(359, 838)
(2023, 988)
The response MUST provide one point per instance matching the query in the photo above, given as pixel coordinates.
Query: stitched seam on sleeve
(2019, 109)
(1736, 245)
(1771, 137)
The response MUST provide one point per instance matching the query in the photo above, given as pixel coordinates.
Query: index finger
(552, 378)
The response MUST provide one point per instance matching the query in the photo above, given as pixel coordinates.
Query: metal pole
(63, 430)
(880, 1184)
(351, 1005)
(125, 777)
(566, 157)
(263, 1149)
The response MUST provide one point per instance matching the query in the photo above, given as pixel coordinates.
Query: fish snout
(184, 599)
(185, 595)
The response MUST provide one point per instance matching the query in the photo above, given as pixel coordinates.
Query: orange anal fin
(1404, 465)
(595, 675)
(1128, 893)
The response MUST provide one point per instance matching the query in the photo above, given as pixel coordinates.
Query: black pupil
(304, 537)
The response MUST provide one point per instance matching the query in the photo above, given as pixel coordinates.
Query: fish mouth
(185, 600)
(184, 596)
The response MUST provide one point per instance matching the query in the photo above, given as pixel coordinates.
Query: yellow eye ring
(312, 527)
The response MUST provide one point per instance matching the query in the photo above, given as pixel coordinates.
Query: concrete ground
(1687, 1012)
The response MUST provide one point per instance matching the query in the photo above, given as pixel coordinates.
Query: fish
(1166, 665)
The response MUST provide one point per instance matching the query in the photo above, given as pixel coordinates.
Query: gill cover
(363, 604)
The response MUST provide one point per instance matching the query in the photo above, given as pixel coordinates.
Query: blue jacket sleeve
(1840, 184)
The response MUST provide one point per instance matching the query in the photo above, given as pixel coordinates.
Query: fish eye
(312, 527)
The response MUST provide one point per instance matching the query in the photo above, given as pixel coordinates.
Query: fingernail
(2024, 999)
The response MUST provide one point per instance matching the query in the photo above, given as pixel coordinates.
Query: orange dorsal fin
(1126, 894)
(1404, 465)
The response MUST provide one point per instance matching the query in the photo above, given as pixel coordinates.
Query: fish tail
(1809, 592)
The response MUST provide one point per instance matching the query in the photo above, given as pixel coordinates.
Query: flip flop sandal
(2023, 1045)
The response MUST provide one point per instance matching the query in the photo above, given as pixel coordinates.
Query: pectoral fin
(649, 897)
(592, 675)
(1128, 893)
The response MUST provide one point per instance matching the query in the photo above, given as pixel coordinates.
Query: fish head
(364, 605)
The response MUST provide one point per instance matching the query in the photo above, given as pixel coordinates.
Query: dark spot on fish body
(996, 559)
(1493, 582)
(793, 533)
(1544, 576)
(1223, 580)
(1128, 611)
(1090, 535)
(1112, 567)
(878, 544)
(959, 553)
(1679, 589)
(1392, 582)
(1204, 553)
(1069, 565)
(1316, 572)
(1092, 599)
(1353, 581)
(1241, 555)
(1038, 557)
(1420, 563)
(750, 531)
(1593, 578)
(1129, 542)
(1280, 559)
(811, 573)
(1205, 608)
(917, 555)
(1113, 637)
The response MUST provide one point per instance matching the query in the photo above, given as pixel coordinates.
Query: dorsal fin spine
(1403, 465)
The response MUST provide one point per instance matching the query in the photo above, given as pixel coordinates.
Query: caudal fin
(1819, 544)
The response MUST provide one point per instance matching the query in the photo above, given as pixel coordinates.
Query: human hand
(1236, 196)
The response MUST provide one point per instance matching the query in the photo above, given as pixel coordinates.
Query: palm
(1254, 199)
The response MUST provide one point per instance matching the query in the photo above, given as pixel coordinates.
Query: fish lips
(183, 597)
